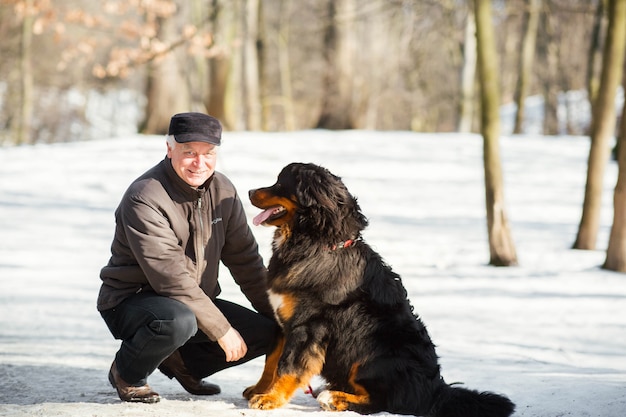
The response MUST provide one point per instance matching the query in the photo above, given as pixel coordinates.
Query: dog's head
(309, 198)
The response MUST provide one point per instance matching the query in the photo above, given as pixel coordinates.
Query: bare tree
(549, 49)
(251, 95)
(23, 127)
(527, 55)
(383, 64)
(603, 124)
(220, 64)
(339, 55)
(616, 251)
(501, 246)
(167, 90)
(468, 75)
(286, 92)
(234, 95)
(594, 52)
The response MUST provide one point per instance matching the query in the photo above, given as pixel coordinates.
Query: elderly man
(174, 225)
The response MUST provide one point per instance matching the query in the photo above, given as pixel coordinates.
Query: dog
(344, 313)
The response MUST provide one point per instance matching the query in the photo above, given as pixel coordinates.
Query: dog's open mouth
(268, 214)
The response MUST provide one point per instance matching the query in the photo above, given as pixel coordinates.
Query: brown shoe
(174, 367)
(127, 392)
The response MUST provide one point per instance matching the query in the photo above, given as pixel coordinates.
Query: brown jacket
(170, 237)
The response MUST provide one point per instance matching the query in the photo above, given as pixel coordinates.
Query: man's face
(194, 162)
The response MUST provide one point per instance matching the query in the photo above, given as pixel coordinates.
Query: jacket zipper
(199, 239)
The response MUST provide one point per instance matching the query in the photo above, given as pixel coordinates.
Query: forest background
(71, 67)
(78, 70)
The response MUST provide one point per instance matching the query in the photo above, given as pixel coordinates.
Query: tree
(501, 246)
(285, 69)
(220, 64)
(339, 55)
(167, 89)
(603, 123)
(26, 70)
(234, 94)
(377, 64)
(594, 52)
(277, 102)
(251, 94)
(616, 251)
(527, 55)
(468, 75)
(550, 51)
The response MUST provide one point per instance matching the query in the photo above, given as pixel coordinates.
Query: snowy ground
(550, 333)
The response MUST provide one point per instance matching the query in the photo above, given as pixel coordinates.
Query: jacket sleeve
(241, 256)
(157, 251)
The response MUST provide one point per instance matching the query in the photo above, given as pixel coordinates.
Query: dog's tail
(453, 401)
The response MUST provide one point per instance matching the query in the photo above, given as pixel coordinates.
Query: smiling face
(194, 162)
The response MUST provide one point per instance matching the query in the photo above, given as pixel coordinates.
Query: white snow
(551, 333)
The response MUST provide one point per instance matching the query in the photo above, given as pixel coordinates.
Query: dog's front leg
(301, 359)
(270, 371)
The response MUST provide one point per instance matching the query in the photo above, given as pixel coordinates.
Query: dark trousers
(152, 327)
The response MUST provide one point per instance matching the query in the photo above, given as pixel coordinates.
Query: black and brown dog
(344, 313)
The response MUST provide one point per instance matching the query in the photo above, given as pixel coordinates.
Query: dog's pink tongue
(261, 217)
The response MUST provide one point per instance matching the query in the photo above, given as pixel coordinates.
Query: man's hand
(233, 345)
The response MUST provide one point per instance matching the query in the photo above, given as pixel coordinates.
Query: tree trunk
(527, 56)
(468, 75)
(219, 66)
(250, 84)
(550, 51)
(167, 90)
(339, 53)
(225, 98)
(285, 66)
(219, 69)
(594, 52)
(603, 124)
(501, 246)
(234, 98)
(616, 250)
(23, 129)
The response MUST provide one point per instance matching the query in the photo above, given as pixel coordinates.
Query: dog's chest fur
(276, 300)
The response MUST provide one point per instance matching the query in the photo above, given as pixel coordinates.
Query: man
(159, 289)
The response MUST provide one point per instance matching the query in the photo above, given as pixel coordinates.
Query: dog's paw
(249, 392)
(330, 402)
(265, 402)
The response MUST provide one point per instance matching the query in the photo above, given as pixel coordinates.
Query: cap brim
(195, 137)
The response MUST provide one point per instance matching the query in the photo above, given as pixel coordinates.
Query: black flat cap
(195, 127)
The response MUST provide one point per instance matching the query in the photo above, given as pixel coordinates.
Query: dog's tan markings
(340, 401)
(291, 203)
(283, 304)
(264, 199)
(289, 206)
(268, 200)
(287, 307)
(269, 372)
(286, 385)
(281, 235)
(281, 392)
